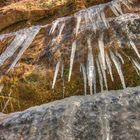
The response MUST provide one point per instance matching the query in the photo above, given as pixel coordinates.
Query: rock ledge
(111, 115)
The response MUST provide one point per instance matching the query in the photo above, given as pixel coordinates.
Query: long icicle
(106, 23)
(63, 80)
(119, 55)
(56, 72)
(137, 64)
(92, 18)
(118, 67)
(79, 18)
(61, 29)
(135, 48)
(117, 6)
(31, 35)
(108, 62)
(136, 69)
(72, 59)
(101, 48)
(85, 78)
(54, 25)
(114, 10)
(100, 75)
(126, 3)
(103, 71)
(91, 68)
(10, 50)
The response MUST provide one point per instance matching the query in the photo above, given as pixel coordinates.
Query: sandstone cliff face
(33, 11)
(108, 115)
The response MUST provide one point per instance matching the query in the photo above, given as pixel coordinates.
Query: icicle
(103, 70)
(108, 61)
(79, 18)
(118, 7)
(137, 64)
(104, 19)
(62, 70)
(63, 81)
(135, 48)
(61, 29)
(91, 68)
(118, 67)
(91, 20)
(114, 10)
(98, 20)
(86, 18)
(126, 3)
(80, 67)
(100, 75)
(72, 58)
(31, 35)
(54, 25)
(136, 69)
(56, 73)
(119, 55)
(10, 50)
(85, 78)
(101, 48)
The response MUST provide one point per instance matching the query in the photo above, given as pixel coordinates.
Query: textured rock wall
(36, 10)
(30, 83)
(110, 115)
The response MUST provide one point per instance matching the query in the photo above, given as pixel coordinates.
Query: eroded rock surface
(29, 83)
(110, 115)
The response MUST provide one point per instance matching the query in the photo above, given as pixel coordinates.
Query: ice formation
(87, 33)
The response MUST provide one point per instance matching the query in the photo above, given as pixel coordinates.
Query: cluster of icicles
(92, 19)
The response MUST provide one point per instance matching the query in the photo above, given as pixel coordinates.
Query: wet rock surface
(111, 115)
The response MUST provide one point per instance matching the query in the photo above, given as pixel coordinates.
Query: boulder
(111, 115)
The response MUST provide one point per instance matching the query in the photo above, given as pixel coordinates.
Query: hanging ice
(135, 48)
(56, 73)
(10, 50)
(63, 81)
(90, 21)
(114, 10)
(29, 38)
(62, 70)
(119, 55)
(91, 68)
(54, 25)
(61, 29)
(104, 19)
(100, 75)
(101, 48)
(126, 3)
(103, 71)
(79, 18)
(118, 67)
(137, 64)
(72, 58)
(117, 6)
(136, 69)
(91, 18)
(109, 65)
(85, 78)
